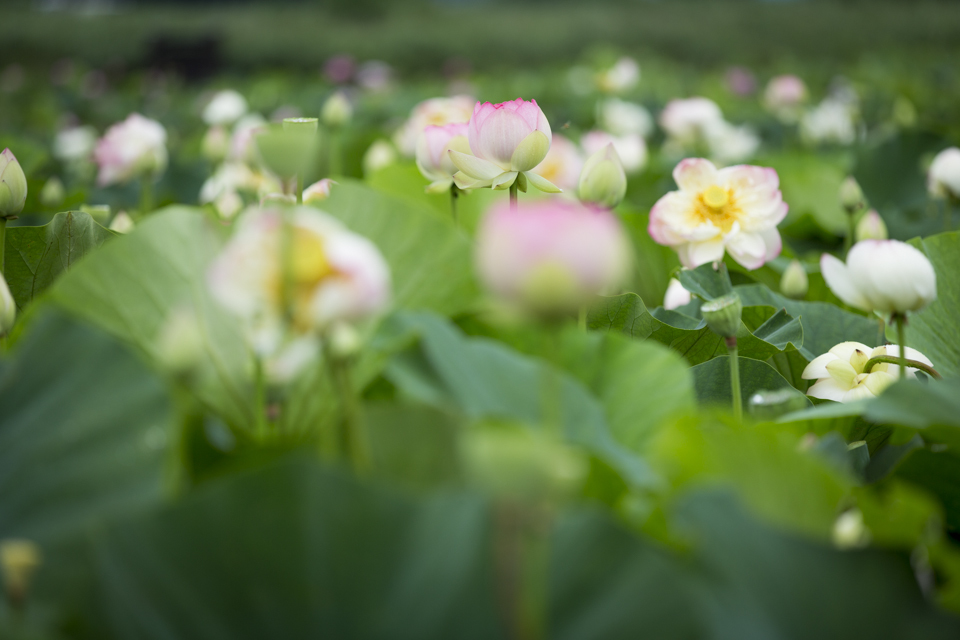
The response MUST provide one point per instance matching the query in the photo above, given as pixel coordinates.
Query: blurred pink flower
(435, 111)
(733, 210)
(131, 149)
(741, 81)
(433, 158)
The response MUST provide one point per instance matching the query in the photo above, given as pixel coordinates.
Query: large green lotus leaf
(652, 263)
(85, 435)
(938, 473)
(810, 183)
(711, 380)
(690, 337)
(935, 330)
(132, 284)
(482, 378)
(36, 256)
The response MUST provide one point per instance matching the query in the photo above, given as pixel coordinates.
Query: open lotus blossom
(224, 108)
(334, 275)
(882, 275)
(735, 210)
(508, 140)
(840, 374)
(131, 149)
(689, 120)
(563, 163)
(433, 158)
(551, 256)
(631, 148)
(435, 111)
(943, 177)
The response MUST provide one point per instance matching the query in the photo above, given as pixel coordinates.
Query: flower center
(716, 197)
(717, 206)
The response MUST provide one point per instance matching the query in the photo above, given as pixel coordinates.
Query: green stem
(913, 364)
(335, 167)
(851, 232)
(146, 195)
(735, 378)
(299, 188)
(901, 320)
(454, 194)
(260, 397)
(353, 441)
(513, 196)
(3, 244)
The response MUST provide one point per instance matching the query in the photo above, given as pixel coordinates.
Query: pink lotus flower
(508, 140)
(735, 209)
(435, 111)
(551, 256)
(785, 91)
(131, 149)
(433, 158)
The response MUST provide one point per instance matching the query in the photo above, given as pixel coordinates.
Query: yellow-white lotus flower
(840, 374)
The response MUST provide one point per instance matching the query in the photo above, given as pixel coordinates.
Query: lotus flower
(943, 178)
(508, 140)
(433, 158)
(733, 210)
(882, 275)
(131, 149)
(224, 108)
(435, 111)
(840, 373)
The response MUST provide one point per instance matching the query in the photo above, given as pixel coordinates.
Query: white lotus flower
(688, 121)
(943, 177)
(840, 374)
(74, 144)
(729, 143)
(676, 295)
(225, 107)
(733, 210)
(622, 76)
(379, 155)
(784, 96)
(631, 148)
(830, 121)
(620, 117)
(882, 275)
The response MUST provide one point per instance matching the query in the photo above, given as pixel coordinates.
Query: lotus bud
(8, 308)
(603, 181)
(380, 155)
(99, 212)
(122, 223)
(851, 196)
(225, 107)
(180, 345)
(871, 227)
(943, 177)
(215, 144)
(794, 283)
(849, 531)
(723, 315)
(343, 341)
(19, 559)
(319, 190)
(53, 193)
(13, 185)
(337, 110)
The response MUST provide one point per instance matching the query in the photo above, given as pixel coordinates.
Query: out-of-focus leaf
(36, 256)
(938, 473)
(810, 183)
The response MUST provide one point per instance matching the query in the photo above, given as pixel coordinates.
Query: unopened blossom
(620, 117)
(603, 182)
(622, 76)
(242, 148)
(563, 163)
(8, 308)
(74, 144)
(841, 376)
(794, 283)
(226, 107)
(832, 121)
(871, 227)
(215, 143)
(784, 96)
(551, 256)
(943, 177)
(676, 295)
(334, 274)
(433, 154)
(379, 155)
(435, 111)
(631, 148)
(134, 148)
(735, 210)
(230, 177)
(508, 140)
(337, 110)
(13, 185)
(689, 120)
(882, 275)
(318, 191)
(122, 223)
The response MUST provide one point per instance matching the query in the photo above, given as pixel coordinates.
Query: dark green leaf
(712, 380)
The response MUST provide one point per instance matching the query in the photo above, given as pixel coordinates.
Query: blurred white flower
(179, 345)
(840, 374)
(620, 117)
(622, 76)
(729, 143)
(131, 149)
(8, 308)
(230, 176)
(784, 96)
(122, 223)
(676, 295)
(337, 111)
(631, 148)
(74, 144)
(242, 148)
(943, 177)
(849, 531)
(733, 210)
(563, 163)
(215, 143)
(832, 121)
(882, 275)
(224, 108)
(689, 121)
(379, 155)
(435, 111)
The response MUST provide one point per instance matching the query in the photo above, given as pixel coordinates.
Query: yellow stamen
(716, 197)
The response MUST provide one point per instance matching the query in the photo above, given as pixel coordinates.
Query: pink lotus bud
(882, 275)
(433, 158)
(551, 257)
(13, 185)
(943, 178)
(784, 93)
(131, 149)
(871, 227)
(513, 135)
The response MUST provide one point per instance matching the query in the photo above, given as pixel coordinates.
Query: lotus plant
(853, 371)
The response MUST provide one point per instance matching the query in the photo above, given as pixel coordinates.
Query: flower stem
(454, 194)
(851, 232)
(735, 378)
(3, 243)
(913, 364)
(513, 196)
(299, 188)
(260, 397)
(353, 441)
(901, 320)
(146, 195)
